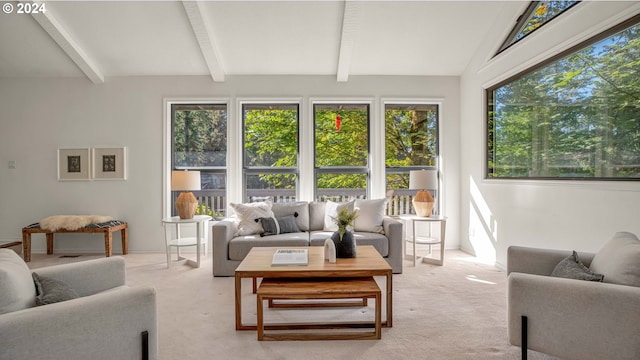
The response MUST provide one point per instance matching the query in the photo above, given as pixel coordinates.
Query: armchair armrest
(538, 261)
(574, 319)
(101, 326)
(89, 277)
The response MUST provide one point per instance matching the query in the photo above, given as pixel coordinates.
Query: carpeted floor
(457, 311)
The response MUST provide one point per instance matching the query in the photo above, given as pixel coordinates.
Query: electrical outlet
(12, 164)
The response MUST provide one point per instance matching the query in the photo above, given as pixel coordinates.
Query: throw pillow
(288, 224)
(281, 209)
(51, 290)
(572, 268)
(17, 290)
(331, 211)
(619, 260)
(248, 214)
(281, 225)
(270, 226)
(370, 215)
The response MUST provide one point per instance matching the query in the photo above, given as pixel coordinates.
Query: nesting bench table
(106, 228)
(320, 280)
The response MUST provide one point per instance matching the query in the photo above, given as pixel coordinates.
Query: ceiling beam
(205, 39)
(350, 29)
(57, 32)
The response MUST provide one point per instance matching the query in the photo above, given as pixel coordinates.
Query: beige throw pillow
(370, 215)
(619, 260)
(331, 211)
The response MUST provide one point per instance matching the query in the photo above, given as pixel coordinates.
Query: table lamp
(423, 180)
(185, 181)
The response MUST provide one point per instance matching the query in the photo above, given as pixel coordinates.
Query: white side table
(201, 237)
(427, 240)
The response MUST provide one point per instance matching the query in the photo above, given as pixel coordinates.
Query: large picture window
(341, 151)
(270, 151)
(576, 116)
(199, 142)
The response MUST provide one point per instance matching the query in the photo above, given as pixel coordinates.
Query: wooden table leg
(108, 238)
(26, 246)
(124, 234)
(49, 236)
(238, 303)
(389, 299)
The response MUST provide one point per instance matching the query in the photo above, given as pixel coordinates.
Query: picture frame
(110, 163)
(74, 164)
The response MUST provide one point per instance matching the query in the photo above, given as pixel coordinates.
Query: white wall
(40, 115)
(552, 214)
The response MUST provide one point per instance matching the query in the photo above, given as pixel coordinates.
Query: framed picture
(109, 163)
(74, 164)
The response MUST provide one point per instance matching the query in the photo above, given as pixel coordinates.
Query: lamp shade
(185, 180)
(423, 180)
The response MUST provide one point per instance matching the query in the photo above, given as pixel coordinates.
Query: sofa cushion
(331, 211)
(316, 215)
(619, 260)
(281, 209)
(239, 246)
(378, 241)
(370, 215)
(17, 290)
(247, 216)
(52, 290)
(572, 268)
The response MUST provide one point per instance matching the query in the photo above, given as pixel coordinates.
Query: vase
(345, 248)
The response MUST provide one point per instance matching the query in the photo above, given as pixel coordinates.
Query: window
(199, 142)
(270, 140)
(536, 15)
(341, 151)
(411, 143)
(576, 116)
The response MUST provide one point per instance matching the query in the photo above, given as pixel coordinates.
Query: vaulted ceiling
(100, 39)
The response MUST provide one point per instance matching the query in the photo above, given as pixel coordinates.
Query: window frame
(438, 157)
(354, 170)
(489, 100)
(168, 145)
(257, 170)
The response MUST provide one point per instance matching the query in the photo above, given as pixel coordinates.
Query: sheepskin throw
(71, 222)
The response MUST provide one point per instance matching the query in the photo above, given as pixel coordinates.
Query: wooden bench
(318, 288)
(105, 228)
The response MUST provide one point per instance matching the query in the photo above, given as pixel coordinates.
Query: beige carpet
(457, 311)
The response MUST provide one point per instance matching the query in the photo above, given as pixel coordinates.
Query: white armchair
(567, 318)
(109, 320)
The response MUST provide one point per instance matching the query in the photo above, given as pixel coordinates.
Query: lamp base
(186, 205)
(423, 203)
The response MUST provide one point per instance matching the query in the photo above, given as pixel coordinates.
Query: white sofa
(109, 320)
(229, 249)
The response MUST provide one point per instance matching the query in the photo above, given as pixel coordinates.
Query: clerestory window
(537, 14)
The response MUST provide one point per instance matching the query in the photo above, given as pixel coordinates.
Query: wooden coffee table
(257, 264)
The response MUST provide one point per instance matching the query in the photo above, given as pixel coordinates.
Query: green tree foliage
(346, 147)
(200, 135)
(411, 139)
(576, 117)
